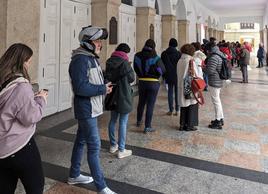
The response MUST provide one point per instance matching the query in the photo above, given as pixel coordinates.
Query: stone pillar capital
(114, 2)
(168, 18)
(145, 11)
(183, 22)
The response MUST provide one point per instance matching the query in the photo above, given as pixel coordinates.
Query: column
(23, 25)
(183, 32)
(261, 36)
(215, 33)
(265, 38)
(102, 12)
(3, 26)
(198, 33)
(210, 32)
(206, 32)
(145, 22)
(168, 29)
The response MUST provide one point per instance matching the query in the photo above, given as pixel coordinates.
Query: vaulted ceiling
(231, 8)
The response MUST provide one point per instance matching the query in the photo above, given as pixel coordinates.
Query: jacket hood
(82, 51)
(7, 91)
(120, 54)
(114, 62)
(216, 50)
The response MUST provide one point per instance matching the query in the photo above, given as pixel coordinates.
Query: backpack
(225, 72)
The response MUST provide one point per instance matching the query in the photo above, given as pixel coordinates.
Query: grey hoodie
(19, 113)
(213, 67)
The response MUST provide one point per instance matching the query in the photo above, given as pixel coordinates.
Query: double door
(61, 22)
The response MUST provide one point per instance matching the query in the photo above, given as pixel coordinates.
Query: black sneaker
(221, 121)
(182, 128)
(190, 129)
(138, 124)
(215, 125)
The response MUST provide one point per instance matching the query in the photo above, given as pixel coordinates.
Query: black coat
(170, 58)
(120, 72)
(147, 64)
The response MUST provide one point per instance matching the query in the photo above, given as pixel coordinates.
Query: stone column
(265, 36)
(145, 20)
(183, 32)
(198, 33)
(261, 36)
(206, 33)
(168, 29)
(215, 33)
(3, 26)
(210, 32)
(221, 35)
(23, 25)
(101, 13)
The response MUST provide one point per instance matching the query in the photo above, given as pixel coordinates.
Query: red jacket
(227, 52)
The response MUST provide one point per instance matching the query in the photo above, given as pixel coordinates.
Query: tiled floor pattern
(242, 143)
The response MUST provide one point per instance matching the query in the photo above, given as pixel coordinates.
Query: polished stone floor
(232, 160)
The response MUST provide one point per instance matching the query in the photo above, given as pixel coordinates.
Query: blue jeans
(171, 88)
(147, 96)
(206, 79)
(123, 120)
(88, 133)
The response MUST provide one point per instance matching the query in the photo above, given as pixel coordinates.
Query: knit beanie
(123, 47)
(173, 42)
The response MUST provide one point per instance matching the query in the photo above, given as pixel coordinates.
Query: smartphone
(46, 90)
(113, 84)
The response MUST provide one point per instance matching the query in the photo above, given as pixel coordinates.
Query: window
(246, 26)
(156, 7)
(128, 2)
(113, 31)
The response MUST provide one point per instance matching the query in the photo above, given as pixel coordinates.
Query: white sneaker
(228, 81)
(113, 149)
(81, 179)
(124, 153)
(106, 190)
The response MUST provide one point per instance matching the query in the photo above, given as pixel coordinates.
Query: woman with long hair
(149, 68)
(20, 110)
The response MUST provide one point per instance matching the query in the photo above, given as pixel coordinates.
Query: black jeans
(148, 91)
(24, 165)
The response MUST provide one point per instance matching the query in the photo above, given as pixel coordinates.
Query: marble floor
(232, 160)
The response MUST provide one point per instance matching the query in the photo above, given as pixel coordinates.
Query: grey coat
(213, 67)
(244, 57)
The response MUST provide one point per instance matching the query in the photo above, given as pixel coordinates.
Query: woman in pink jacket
(20, 110)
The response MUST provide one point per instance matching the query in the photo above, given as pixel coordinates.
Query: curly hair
(188, 49)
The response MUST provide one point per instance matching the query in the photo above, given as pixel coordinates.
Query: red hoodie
(227, 52)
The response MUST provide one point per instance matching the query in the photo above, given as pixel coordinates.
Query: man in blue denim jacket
(89, 90)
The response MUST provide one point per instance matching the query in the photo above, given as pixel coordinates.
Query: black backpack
(225, 73)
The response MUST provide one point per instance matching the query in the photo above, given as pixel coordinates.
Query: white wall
(252, 19)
